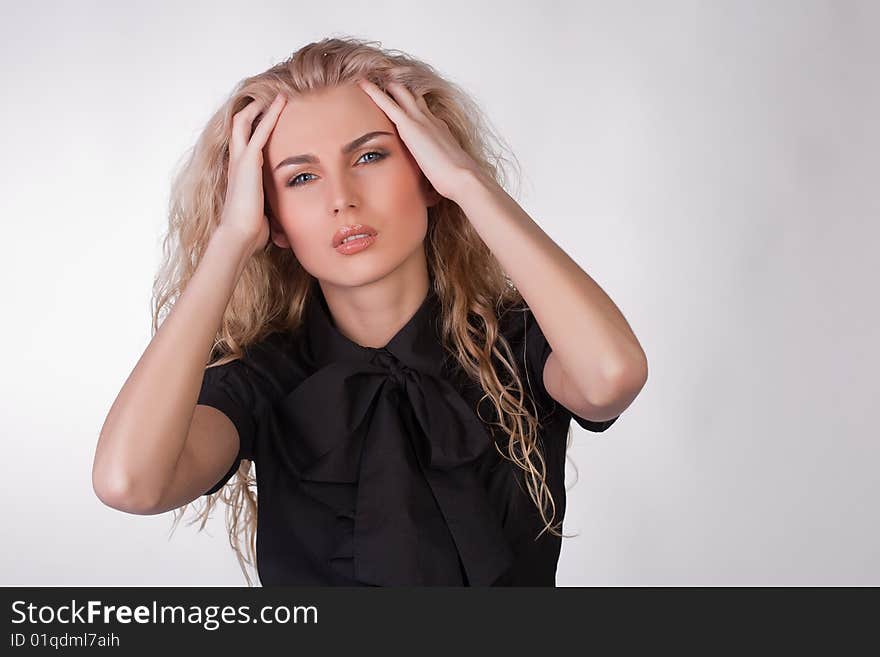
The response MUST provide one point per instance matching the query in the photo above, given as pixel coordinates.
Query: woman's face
(377, 183)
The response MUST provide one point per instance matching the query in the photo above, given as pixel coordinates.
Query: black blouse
(372, 465)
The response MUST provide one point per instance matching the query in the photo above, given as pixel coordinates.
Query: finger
(404, 98)
(415, 105)
(423, 105)
(267, 123)
(242, 126)
(384, 101)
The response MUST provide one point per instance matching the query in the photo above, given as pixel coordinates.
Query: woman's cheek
(403, 204)
(309, 242)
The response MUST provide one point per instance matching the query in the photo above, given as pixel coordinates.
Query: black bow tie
(389, 421)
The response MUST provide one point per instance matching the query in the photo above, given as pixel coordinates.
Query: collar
(417, 344)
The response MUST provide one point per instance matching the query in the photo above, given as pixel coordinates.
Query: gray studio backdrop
(713, 165)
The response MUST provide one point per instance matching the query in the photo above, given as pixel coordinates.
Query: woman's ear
(432, 196)
(275, 231)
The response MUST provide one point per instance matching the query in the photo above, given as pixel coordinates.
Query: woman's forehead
(326, 120)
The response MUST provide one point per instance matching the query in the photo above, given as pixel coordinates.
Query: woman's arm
(597, 366)
(145, 432)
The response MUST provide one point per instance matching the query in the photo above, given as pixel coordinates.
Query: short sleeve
(537, 350)
(228, 388)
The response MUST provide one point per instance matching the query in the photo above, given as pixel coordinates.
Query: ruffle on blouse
(389, 422)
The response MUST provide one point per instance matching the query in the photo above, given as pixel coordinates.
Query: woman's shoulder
(517, 324)
(267, 367)
(514, 319)
(530, 350)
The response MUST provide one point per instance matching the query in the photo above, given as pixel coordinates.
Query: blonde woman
(355, 308)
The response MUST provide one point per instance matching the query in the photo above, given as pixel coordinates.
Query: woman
(377, 314)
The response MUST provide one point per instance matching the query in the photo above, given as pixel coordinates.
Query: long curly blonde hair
(272, 291)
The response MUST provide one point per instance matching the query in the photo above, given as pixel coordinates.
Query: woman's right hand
(243, 210)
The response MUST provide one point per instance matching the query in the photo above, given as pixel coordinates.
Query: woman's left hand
(429, 140)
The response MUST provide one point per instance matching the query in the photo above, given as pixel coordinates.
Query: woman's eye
(293, 181)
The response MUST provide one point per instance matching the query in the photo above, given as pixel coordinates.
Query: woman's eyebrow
(345, 150)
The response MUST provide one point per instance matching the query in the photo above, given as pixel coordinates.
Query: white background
(710, 165)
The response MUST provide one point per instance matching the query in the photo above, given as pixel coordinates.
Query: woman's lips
(357, 245)
(351, 229)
